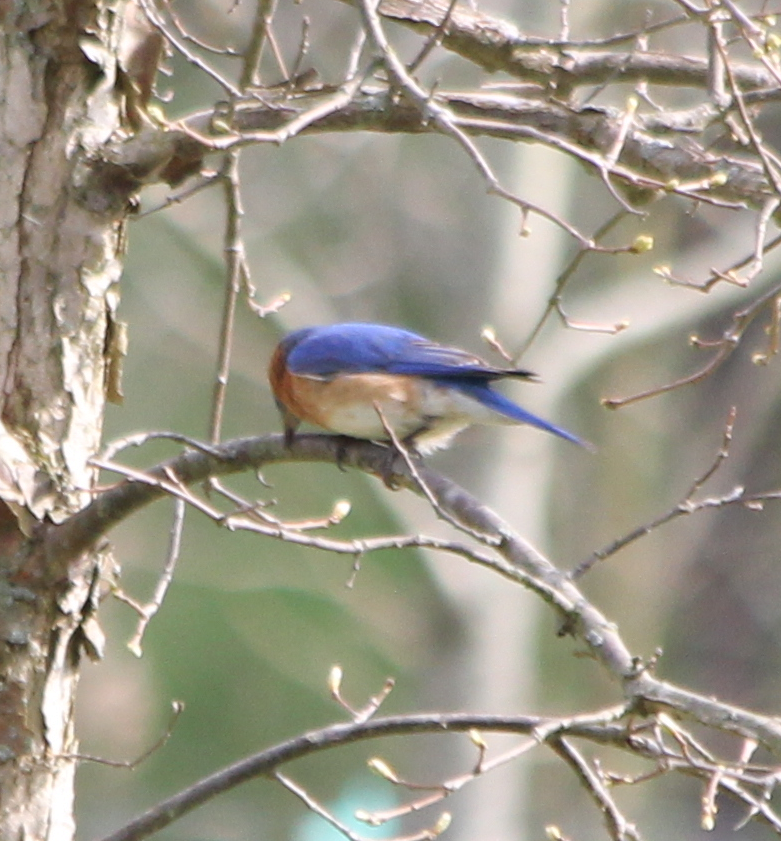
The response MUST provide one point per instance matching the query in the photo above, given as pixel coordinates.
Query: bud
(642, 243)
(477, 739)
(335, 679)
(367, 817)
(341, 510)
(382, 769)
(442, 824)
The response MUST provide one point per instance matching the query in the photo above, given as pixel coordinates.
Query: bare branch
(147, 611)
(724, 346)
(619, 828)
(495, 44)
(250, 73)
(370, 708)
(266, 763)
(157, 21)
(177, 708)
(687, 505)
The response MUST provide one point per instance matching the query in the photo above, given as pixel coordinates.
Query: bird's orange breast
(349, 403)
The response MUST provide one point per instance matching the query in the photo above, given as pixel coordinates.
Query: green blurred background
(400, 230)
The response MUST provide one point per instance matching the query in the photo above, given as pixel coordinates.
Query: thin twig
(754, 262)
(721, 456)
(433, 40)
(687, 505)
(769, 161)
(725, 346)
(409, 461)
(303, 50)
(563, 279)
(240, 521)
(315, 806)
(236, 264)
(138, 439)
(267, 763)
(250, 71)
(177, 708)
(188, 36)
(147, 611)
(619, 828)
(189, 56)
(369, 708)
(193, 186)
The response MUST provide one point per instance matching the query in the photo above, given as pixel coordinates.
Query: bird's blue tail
(504, 406)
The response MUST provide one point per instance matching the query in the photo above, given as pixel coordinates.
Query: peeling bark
(60, 260)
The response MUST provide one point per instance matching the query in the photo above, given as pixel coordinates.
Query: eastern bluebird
(338, 376)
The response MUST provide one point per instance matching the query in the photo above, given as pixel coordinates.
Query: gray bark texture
(60, 260)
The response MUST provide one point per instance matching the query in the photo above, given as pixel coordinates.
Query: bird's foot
(397, 462)
(393, 465)
(342, 443)
(390, 467)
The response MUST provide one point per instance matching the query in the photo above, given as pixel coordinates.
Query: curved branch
(596, 728)
(514, 558)
(604, 727)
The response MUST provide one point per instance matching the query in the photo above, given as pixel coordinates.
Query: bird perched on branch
(359, 379)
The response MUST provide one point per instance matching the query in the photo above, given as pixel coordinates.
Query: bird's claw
(342, 443)
(388, 470)
(395, 462)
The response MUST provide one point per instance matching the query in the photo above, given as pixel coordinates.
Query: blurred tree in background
(598, 184)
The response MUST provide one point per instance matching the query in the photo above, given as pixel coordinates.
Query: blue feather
(360, 348)
(504, 406)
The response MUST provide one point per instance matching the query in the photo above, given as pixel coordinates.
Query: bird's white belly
(360, 405)
(435, 413)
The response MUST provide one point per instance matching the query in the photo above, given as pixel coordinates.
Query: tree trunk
(60, 260)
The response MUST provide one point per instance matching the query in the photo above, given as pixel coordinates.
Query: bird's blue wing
(346, 349)
(360, 348)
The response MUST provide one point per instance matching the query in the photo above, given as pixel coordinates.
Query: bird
(357, 379)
